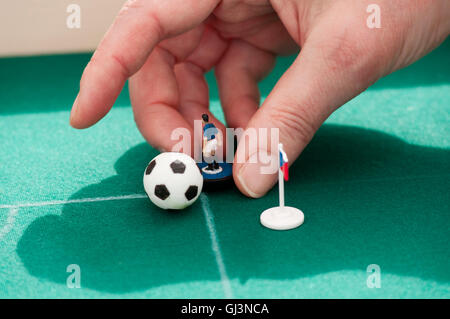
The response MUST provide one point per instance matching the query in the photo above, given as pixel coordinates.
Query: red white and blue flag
(284, 163)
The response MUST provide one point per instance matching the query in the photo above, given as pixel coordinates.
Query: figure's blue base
(225, 174)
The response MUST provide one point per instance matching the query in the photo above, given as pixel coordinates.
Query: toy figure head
(205, 118)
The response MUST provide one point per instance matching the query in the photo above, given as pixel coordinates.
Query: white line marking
(9, 222)
(74, 201)
(138, 196)
(215, 246)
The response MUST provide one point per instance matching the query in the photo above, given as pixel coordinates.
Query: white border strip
(74, 201)
(209, 217)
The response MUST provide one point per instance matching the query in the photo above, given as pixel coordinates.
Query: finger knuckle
(343, 52)
(130, 5)
(356, 55)
(143, 8)
(294, 123)
(122, 65)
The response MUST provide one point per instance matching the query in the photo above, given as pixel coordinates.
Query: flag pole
(280, 180)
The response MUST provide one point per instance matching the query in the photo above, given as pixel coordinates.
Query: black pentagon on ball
(150, 167)
(178, 167)
(191, 192)
(161, 191)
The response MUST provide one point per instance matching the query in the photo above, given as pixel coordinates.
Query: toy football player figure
(210, 143)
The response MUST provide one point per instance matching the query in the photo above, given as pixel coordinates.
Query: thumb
(317, 83)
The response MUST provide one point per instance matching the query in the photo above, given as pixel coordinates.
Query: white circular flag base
(282, 218)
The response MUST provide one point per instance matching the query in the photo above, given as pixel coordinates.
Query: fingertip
(251, 179)
(74, 120)
(243, 188)
(80, 119)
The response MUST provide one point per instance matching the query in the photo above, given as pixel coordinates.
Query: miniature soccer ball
(173, 180)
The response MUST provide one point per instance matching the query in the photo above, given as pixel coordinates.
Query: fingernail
(73, 112)
(257, 177)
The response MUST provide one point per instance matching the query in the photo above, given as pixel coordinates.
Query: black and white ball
(173, 180)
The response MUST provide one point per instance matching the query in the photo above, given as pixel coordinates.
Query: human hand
(165, 47)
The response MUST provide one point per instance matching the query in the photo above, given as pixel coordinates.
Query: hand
(165, 47)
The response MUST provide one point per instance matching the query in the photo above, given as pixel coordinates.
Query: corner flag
(283, 162)
(282, 217)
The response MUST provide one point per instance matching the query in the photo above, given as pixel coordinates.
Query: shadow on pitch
(368, 198)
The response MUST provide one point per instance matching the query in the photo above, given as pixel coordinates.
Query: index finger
(140, 25)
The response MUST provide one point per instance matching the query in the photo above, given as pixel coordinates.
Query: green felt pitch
(373, 184)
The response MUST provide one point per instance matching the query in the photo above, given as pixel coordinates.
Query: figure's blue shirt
(209, 131)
